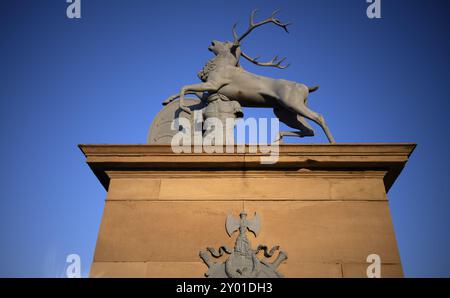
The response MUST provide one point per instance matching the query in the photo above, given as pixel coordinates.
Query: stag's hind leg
(295, 100)
(295, 121)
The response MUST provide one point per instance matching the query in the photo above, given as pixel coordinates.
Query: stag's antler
(274, 62)
(237, 39)
(254, 25)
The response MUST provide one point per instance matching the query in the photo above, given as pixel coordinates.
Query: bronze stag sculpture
(223, 75)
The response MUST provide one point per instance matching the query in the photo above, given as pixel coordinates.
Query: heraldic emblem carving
(243, 261)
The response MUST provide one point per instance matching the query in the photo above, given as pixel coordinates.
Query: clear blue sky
(101, 79)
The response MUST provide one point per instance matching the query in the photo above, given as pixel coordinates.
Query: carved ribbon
(218, 254)
(267, 253)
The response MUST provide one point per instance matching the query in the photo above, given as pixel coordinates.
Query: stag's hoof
(279, 138)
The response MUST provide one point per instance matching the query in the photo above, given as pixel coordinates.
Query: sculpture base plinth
(325, 205)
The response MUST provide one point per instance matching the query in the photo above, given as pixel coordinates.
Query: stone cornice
(384, 157)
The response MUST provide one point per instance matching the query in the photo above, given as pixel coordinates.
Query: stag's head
(219, 47)
(234, 47)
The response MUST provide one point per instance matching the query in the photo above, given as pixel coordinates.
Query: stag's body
(251, 90)
(224, 75)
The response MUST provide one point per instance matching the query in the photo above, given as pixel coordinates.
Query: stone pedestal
(325, 205)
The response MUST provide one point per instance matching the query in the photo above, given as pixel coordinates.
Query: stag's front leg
(175, 96)
(202, 87)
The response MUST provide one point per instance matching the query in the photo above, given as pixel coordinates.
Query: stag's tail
(312, 89)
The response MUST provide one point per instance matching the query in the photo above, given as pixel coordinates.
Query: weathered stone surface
(245, 188)
(284, 187)
(311, 270)
(134, 189)
(175, 269)
(357, 189)
(142, 231)
(118, 269)
(147, 269)
(328, 232)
